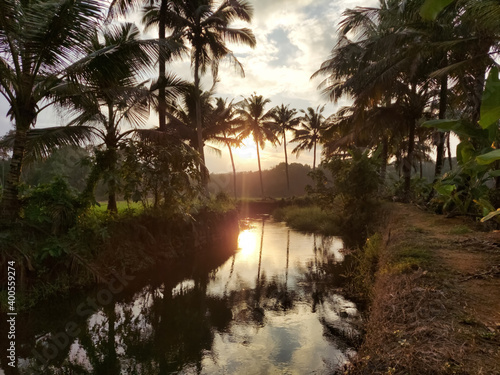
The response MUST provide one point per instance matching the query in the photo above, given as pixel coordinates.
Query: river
(272, 306)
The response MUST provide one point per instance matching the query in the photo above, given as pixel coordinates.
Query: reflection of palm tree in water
(230, 275)
(258, 311)
(287, 259)
(287, 300)
(317, 294)
(101, 349)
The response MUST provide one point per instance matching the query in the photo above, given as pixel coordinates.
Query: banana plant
(476, 155)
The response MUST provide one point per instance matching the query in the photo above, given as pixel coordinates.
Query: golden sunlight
(247, 150)
(247, 242)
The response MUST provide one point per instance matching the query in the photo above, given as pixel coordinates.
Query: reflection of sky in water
(290, 342)
(267, 287)
(274, 254)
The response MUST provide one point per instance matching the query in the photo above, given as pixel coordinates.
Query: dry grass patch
(424, 318)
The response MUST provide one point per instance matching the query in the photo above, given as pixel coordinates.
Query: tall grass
(121, 205)
(308, 219)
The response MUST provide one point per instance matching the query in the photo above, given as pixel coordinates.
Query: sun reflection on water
(247, 243)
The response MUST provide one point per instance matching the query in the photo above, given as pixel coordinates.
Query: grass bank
(434, 291)
(308, 219)
(101, 243)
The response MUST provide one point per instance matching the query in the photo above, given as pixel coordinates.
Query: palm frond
(42, 142)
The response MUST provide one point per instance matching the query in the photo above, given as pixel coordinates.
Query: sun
(247, 150)
(247, 242)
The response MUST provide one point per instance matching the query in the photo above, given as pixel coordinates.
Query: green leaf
(431, 8)
(445, 125)
(490, 215)
(465, 152)
(485, 205)
(494, 173)
(488, 158)
(490, 105)
(445, 189)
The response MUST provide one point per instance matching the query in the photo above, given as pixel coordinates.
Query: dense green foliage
(411, 71)
(352, 193)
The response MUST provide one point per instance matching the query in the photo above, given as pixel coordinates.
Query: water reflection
(270, 307)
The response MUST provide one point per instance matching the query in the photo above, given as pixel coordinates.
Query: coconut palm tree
(39, 41)
(385, 65)
(285, 119)
(181, 116)
(224, 130)
(257, 122)
(108, 93)
(313, 125)
(168, 48)
(380, 127)
(206, 26)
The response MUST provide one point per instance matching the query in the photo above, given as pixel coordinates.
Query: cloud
(293, 38)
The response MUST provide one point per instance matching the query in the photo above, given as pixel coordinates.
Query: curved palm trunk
(234, 169)
(260, 170)
(286, 162)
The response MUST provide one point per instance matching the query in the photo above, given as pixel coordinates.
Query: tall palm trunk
(111, 158)
(441, 136)
(286, 162)
(10, 202)
(314, 157)
(199, 129)
(260, 169)
(384, 156)
(112, 161)
(258, 282)
(408, 163)
(234, 168)
(162, 105)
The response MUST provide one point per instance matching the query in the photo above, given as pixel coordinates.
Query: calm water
(270, 307)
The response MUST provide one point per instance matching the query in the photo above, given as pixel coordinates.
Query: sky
(293, 38)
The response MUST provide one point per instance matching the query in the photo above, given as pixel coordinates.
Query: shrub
(51, 207)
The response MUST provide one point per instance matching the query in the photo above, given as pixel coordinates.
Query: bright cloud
(293, 38)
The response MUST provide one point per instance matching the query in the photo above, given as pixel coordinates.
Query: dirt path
(436, 299)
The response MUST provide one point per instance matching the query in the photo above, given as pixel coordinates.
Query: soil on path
(436, 300)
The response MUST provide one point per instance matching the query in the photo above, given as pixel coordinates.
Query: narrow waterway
(272, 306)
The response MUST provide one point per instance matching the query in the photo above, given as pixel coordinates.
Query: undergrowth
(53, 259)
(308, 219)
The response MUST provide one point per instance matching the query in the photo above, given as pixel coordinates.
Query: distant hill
(248, 183)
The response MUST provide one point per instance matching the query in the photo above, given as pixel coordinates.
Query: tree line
(418, 71)
(77, 57)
